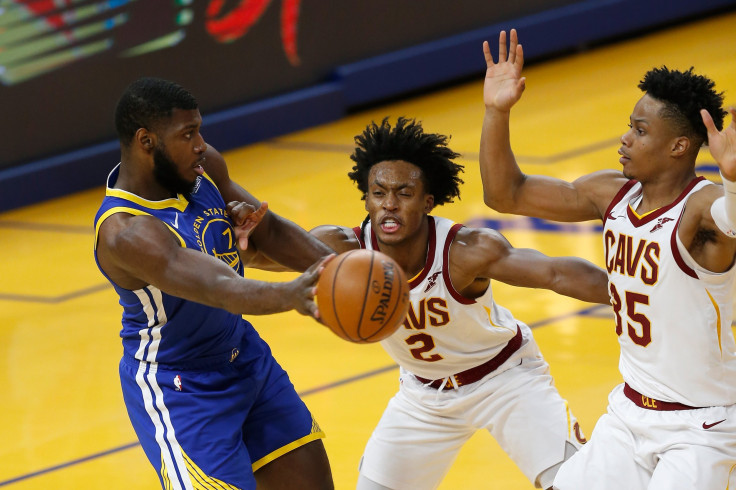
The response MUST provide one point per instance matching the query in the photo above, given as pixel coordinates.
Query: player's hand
(722, 144)
(244, 218)
(305, 288)
(504, 84)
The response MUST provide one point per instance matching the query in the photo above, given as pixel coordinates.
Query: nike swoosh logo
(708, 426)
(176, 221)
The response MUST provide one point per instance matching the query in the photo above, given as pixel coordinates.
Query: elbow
(496, 203)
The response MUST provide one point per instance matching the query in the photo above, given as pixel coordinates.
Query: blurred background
(259, 68)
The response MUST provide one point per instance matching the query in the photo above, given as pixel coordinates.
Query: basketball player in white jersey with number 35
(669, 250)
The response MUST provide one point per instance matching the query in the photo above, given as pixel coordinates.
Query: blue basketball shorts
(215, 422)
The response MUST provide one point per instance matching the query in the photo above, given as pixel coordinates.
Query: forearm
(499, 171)
(723, 209)
(581, 280)
(199, 277)
(250, 297)
(288, 244)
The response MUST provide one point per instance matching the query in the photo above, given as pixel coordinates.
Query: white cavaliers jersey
(445, 333)
(673, 318)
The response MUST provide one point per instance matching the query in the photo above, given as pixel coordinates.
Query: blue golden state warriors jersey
(158, 327)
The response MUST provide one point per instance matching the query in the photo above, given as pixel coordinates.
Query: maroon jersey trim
(357, 231)
(446, 267)
(617, 198)
(676, 250)
(637, 222)
(431, 247)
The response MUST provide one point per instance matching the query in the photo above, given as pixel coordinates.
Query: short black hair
(407, 141)
(146, 102)
(683, 95)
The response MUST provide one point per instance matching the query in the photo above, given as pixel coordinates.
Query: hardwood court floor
(62, 420)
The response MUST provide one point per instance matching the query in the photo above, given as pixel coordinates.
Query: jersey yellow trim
(490, 319)
(165, 475)
(641, 216)
(134, 212)
(728, 483)
(718, 320)
(210, 179)
(285, 449)
(452, 223)
(179, 202)
(200, 480)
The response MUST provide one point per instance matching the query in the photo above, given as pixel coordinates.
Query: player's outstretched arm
(338, 238)
(491, 256)
(718, 210)
(505, 187)
(280, 239)
(722, 144)
(135, 251)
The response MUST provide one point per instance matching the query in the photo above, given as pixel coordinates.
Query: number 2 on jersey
(426, 344)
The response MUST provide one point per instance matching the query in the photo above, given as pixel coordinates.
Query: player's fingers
(708, 121)
(502, 47)
(487, 53)
(732, 111)
(319, 266)
(262, 209)
(239, 211)
(513, 42)
(519, 56)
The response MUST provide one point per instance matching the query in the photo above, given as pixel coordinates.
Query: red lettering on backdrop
(227, 27)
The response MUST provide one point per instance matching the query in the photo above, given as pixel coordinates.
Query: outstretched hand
(722, 144)
(245, 217)
(306, 288)
(504, 83)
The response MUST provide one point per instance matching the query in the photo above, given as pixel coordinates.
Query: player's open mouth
(389, 225)
(198, 168)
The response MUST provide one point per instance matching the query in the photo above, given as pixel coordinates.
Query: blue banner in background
(259, 68)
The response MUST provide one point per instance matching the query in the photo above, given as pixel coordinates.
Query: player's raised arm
(717, 209)
(505, 187)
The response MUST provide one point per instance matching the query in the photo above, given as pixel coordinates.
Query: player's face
(397, 201)
(166, 172)
(178, 155)
(646, 145)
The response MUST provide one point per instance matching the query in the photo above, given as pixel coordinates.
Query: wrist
(728, 185)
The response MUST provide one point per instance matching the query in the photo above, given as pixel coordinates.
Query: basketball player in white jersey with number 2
(466, 363)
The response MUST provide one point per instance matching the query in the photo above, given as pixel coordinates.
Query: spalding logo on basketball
(363, 296)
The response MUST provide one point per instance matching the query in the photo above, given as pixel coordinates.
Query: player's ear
(680, 146)
(429, 203)
(144, 138)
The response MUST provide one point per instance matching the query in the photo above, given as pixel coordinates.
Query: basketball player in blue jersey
(669, 244)
(209, 404)
(466, 363)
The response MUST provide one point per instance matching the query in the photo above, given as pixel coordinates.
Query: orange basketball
(363, 296)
